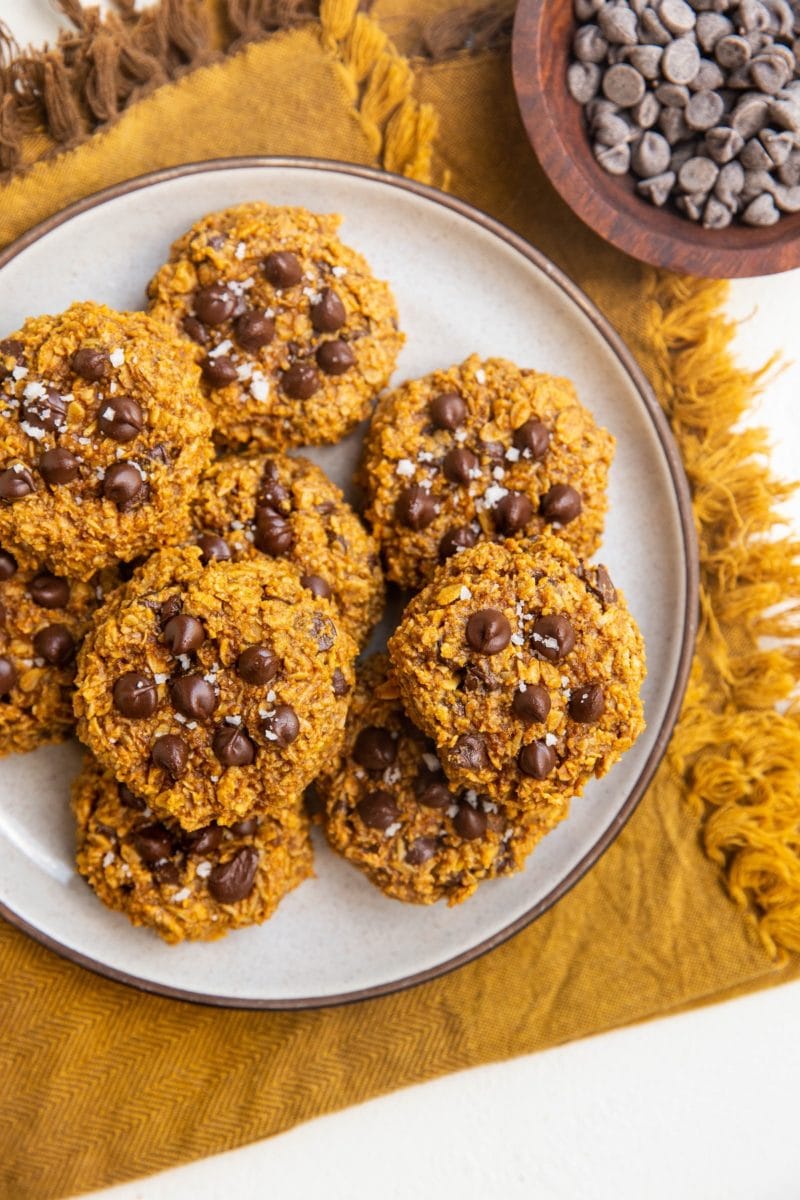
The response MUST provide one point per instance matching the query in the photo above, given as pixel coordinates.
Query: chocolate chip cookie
(524, 665)
(103, 435)
(183, 885)
(217, 690)
(287, 508)
(390, 811)
(481, 451)
(294, 333)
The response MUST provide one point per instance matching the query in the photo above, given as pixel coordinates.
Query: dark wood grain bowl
(543, 31)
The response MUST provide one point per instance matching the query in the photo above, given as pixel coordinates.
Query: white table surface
(700, 1106)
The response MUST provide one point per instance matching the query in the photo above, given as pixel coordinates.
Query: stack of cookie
(191, 600)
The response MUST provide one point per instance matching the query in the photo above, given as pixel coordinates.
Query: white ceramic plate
(463, 283)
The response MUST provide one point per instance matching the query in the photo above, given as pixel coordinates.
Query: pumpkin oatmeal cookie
(390, 811)
(481, 451)
(287, 508)
(294, 333)
(183, 885)
(215, 691)
(103, 435)
(524, 665)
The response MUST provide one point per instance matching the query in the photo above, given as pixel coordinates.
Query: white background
(701, 1106)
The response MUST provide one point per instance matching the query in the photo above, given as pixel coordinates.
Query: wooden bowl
(543, 31)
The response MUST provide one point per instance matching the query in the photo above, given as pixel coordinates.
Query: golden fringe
(739, 756)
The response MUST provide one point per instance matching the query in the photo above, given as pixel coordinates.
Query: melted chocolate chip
(128, 800)
(274, 535)
(49, 591)
(459, 537)
(254, 330)
(469, 823)
(334, 358)
(553, 637)
(166, 873)
(470, 752)
(324, 631)
(432, 791)
(375, 748)
(283, 727)
(378, 810)
(195, 330)
(213, 548)
(8, 565)
(219, 370)
(91, 364)
(340, 685)
(448, 411)
(135, 694)
(536, 760)
(534, 437)
(193, 696)
(459, 464)
(15, 484)
(561, 504)
(282, 269)
(123, 484)
(488, 631)
(598, 581)
(245, 828)
(58, 467)
(203, 841)
(257, 665)
(272, 493)
(513, 512)
(48, 412)
(169, 609)
(55, 644)
(183, 635)
(328, 313)
(421, 850)
(8, 675)
(171, 753)
(233, 747)
(533, 704)
(153, 842)
(415, 507)
(319, 587)
(300, 381)
(214, 304)
(121, 418)
(587, 704)
(233, 881)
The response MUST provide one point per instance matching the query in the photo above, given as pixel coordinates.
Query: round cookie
(43, 619)
(294, 333)
(288, 508)
(390, 812)
(524, 665)
(214, 691)
(184, 885)
(102, 439)
(481, 451)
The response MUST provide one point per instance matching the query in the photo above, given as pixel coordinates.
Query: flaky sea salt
(550, 739)
(108, 858)
(180, 896)
(259, 388)
(494, 494)
(480, 375)
(116, 358)
(431, 761)
(465, 593)
(223, 348)
(203, 869)
(512, 454)
(405, 468)
(392, 829)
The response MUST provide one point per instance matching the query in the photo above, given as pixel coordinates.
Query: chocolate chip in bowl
(672, 129)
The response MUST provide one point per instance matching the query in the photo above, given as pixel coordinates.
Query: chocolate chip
(257, 665)
(8, 565)
(8, 675)
(121, 418)
(513, 512)
(233, 881)
(335, 357)
(479, 677)
(282, 269)
(196, 330)
(378, 810)
(319, 587)
(533, 704)
(49, 591)
(135, 694)
(415, 507)
(55, 644)
(254, 330)
(167, 873)
(561, 503)
(129, 800)
(432, 791)
(233, 747)
(47, 412)
(213, 548)
(459, 537)
(283, 725)
(553, 637)
(420, 850)
(448, 411)
(203, 841)
(534, 437)
(587, 703)
(169, 609)
(171, 753)
(328, 313)
(488, 631)
(375, 748)
(15, 484)
(92, 365)
(272, 493)
(193, 696)
(58, 467)
(274, 534)
(340, 685)
(11, 348)
(245, 828)
(184, 635)
(470, 752)
(469, 823)
(459, 464)
(214, 304)
(122, 484)
(536, 760)
(153, 842)
(219, 370)
(300, 381)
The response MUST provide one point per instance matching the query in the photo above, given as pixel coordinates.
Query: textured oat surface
(239, 606)
(288, 508)
(77, 522)
(257, 406)
(405, 450)
(418, 851)
(174, 893)
(465, 699)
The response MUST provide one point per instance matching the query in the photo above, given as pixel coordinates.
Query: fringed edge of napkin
(739, 755)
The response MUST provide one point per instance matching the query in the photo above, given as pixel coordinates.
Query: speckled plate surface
(463, 283)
